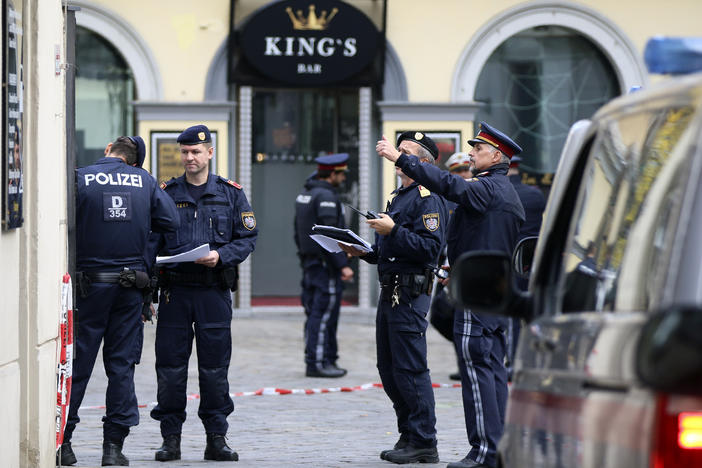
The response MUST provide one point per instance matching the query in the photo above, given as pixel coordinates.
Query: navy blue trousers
(481, 353)
(401, 344)
(113, 314)
(203, 313)
(321, 298)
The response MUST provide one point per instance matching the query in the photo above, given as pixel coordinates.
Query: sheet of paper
(189, 256)
(332, 245)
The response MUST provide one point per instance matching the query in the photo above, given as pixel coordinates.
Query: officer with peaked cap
(195, 300)
(488, 216)
(117, 204)
(323, 272)
(409, 237)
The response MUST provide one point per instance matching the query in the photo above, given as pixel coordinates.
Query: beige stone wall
(34, 256)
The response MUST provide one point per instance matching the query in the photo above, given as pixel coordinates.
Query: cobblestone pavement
(338, 429)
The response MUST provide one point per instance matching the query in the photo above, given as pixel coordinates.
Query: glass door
(290, 129)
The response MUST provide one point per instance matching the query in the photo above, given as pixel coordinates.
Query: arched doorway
(104, 94)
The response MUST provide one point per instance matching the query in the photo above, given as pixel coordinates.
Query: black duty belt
(399, 279)
(103, 277)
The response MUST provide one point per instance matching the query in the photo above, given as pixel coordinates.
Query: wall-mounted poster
(165, 155)
(12, 110)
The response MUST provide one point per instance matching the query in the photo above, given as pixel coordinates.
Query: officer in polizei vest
(488, 216)
(195, 297)
(323, 272)
(409, 238)
(117, 204)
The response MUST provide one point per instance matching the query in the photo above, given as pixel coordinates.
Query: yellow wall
(428, 36)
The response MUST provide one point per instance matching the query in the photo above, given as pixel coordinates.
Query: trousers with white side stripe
(481, 353)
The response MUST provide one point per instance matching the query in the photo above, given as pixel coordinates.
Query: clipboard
(328, 236)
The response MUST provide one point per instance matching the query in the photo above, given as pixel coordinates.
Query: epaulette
(423, 191)
(482, 173)
(230, 182)
(167, 183)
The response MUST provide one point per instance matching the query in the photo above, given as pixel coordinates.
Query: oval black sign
(309, 42)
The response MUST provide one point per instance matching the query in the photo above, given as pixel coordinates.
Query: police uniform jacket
(533, 202)
(116, 207)
(318, 204)
(418, 235)
(222, 218)
(488, 215)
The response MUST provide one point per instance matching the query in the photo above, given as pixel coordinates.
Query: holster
(83, 283)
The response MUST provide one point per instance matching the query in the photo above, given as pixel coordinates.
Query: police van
(608, 371)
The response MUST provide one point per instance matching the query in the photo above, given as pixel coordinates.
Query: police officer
(408, 239)
(534, 204)
(323, 272)
(195, 300)
(118, 202)
(488, 216)
(442, 308)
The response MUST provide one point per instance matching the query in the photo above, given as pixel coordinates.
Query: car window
(628, 205)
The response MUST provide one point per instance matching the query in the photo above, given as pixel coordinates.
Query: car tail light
(678, 432)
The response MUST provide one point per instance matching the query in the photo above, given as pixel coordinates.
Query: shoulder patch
(423, 192)
(163, 185)
(431, 221)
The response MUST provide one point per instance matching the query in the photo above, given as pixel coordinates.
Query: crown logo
(312, 22)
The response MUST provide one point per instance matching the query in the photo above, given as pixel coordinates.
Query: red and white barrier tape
(64, 371)
(285, 391)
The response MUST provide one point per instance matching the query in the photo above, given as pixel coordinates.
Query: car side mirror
(523, 256)
(481, 281)
(669, 350)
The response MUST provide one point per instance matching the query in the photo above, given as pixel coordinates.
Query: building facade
(278, 83)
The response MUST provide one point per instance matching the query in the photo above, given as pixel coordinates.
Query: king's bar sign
(309, 42)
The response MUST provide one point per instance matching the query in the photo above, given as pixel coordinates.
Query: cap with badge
(497, 139)
(422, 140)
(333, 162)
(195, 135)
(141, 149)
(458, 161)
(514, 162)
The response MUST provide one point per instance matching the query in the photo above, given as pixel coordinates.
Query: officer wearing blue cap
(323, 272)
(409, 237)
(117, 204)
(195, 299)
(488, 216)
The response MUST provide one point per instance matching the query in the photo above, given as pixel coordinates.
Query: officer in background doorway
(409, 238)
(117, 204)
(323, 272)
(488, 216)
(195, 300)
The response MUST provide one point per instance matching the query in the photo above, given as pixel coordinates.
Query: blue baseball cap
(195, 135)
(141, 149)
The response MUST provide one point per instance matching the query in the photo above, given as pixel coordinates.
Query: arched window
(104, 94)
(537, 83)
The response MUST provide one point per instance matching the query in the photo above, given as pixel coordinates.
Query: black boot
(401, 443)
(67, 457)
(411, 454)
(170, 450)
(217, 449)
(325, 371)
(112, 455)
